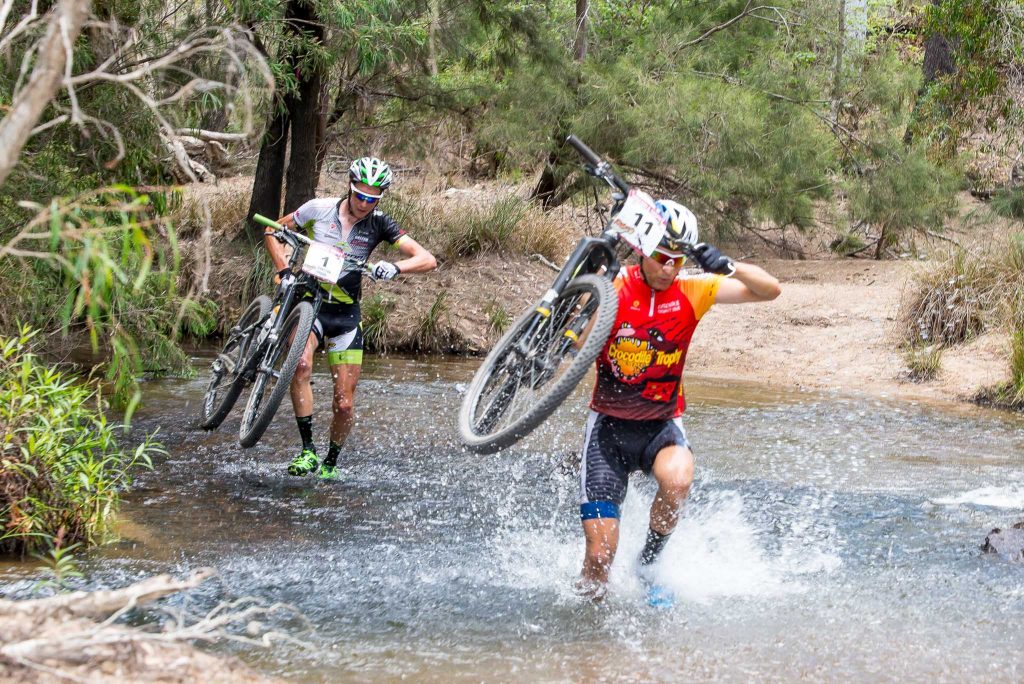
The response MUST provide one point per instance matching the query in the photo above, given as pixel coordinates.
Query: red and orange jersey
(639, 372)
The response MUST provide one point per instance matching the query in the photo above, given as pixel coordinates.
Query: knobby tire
(226, 385)
(481, 436)
(260, 410)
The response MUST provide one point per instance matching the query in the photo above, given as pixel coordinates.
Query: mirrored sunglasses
(668, 258)
(362, 196)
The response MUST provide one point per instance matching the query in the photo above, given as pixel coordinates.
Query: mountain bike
(263, 349)
(547, 351)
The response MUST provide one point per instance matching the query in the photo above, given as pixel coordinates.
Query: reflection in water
(827, 537)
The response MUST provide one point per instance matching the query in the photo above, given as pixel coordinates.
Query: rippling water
(826, 538)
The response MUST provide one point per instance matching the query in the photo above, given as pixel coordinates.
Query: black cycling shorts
(614, 447)
(338, 331)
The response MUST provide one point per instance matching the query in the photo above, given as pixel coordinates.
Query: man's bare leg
(346, 376)
(602, 537)
(673, 470)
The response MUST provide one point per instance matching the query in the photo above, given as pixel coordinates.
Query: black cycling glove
(711, 260)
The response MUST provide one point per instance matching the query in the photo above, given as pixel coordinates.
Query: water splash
(995, 497)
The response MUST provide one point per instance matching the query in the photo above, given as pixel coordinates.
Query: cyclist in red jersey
(635, 420)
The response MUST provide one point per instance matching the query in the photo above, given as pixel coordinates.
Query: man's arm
(277, 251)
(417, 258)
(748, 284)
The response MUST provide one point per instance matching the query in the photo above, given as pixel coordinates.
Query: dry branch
(102, 603)
(65, 23)
(245, 78)
(55, 638)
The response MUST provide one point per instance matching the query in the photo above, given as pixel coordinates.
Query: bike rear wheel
(532, 369)
(274, 374)
(225, 384)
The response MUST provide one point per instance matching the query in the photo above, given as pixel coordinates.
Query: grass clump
(434, 332)
(964, 296)
(61, 469)
(949, 303)
(377, 310)
(455, 230)
(498, 317)
(923, 362)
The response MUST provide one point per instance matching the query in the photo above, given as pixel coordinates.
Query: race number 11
(639, 222)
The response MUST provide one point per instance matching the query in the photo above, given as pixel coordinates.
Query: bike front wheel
(536, 365)
(274, 374)
(225, 384)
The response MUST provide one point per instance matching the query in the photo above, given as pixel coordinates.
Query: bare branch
(21, 26)
(28, 105)
(216, 136)
(747, 11)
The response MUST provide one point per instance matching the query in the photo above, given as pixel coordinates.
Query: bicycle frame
(290, 294)
(591, 253)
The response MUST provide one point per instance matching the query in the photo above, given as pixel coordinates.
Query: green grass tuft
(923, 362)
(377, 310)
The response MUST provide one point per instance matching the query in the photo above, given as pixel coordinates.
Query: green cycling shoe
(305, 463)
(329, 472)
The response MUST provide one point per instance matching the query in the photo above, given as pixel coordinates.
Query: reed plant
(434, 332)
(377, 311)
(61, 468)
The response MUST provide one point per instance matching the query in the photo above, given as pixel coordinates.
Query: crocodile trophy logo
(630, 356)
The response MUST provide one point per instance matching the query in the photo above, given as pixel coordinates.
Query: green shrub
(61, 470)
(1009, 203)
(376, 321)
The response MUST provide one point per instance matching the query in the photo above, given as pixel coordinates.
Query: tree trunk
(321, 142)
(938, 61)
(938, 57)
(837, 77)
(299, 120)
(266, 186)
(304, 112)
(580, 44)
(435, 18)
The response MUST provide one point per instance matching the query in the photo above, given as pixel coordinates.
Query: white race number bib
(639, 222)
(324, 262)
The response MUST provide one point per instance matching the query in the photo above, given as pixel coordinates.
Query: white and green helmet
(371, 171)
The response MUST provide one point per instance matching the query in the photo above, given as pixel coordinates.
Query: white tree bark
(65, 23)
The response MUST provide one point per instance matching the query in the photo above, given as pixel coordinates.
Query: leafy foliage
(62, 469)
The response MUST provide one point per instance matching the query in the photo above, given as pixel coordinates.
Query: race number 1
(324, 262)
(639, 222)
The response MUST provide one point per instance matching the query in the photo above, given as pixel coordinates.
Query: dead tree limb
(67, 18)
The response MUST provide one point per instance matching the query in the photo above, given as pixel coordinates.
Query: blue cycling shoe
(660, 597)
(656, 594)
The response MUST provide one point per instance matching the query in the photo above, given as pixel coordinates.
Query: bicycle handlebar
(270, 223)
(600, 167)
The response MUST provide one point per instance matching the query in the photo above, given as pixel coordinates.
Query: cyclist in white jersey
(355, 224)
